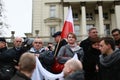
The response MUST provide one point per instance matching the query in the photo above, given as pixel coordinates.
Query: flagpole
(57, 47)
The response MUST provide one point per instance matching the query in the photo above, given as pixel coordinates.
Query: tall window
(77, 30)
(107, 29)
(105, 16)
(75, 16)
(52, 30)
(89, 16)
(52, 10)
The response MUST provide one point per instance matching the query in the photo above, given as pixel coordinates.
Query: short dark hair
(109, 40)
(114, 30)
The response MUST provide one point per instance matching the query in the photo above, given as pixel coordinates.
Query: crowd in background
(98, 57)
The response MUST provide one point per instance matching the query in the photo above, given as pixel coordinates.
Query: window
(52, 10)
(52, 30)
(107, 29)
(105, 16)
(77, 29)
(89, 16)
(75, 16)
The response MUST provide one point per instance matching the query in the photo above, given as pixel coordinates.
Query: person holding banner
(60, 42)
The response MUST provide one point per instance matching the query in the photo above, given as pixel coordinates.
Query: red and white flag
(68, 24)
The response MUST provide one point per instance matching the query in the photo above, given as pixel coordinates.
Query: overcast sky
(19, 15)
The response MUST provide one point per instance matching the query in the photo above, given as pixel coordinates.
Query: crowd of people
(98, 57)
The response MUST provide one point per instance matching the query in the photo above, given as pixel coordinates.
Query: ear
(69, 70)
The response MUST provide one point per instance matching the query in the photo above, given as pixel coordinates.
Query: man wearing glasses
(37, 48)
(116, 35)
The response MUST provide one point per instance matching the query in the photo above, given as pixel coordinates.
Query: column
(113, 20)
(101, 24)
(117, 13)
(83, 20)
(62, 11)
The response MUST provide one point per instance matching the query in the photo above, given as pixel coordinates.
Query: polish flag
(68, 24)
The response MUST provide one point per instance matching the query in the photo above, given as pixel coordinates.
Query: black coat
(9, 59)
(20, 76)
(62, 43)
(91, 59)
(85, 44)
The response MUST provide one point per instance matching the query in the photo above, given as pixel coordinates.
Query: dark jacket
(89, 63)
(47, 59)
(10, 58)
(85, 44)
(62, 43)
(77, 75)
(110, 66)
(20, 76)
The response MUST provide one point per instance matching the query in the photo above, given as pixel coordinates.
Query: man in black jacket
(109, 60)
(26, 67)
(86, 44)
(11, 58)
(3, 48)
(59, 42)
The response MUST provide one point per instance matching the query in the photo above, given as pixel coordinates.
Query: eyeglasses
(38, 42)
(115, 34)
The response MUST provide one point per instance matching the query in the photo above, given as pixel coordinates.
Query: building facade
(48, 16)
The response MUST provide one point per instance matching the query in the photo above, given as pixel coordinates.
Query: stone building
(48, 16)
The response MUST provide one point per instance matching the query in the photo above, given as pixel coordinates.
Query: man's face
(103, 47)
(116, 35)
(18, 42)
(57, 38)
(2, 44)
(37, 44)
(93, 33)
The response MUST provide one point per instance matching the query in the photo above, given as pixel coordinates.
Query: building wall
(104, 15)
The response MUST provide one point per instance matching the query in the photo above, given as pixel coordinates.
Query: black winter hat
(56, 34)
(2, 39)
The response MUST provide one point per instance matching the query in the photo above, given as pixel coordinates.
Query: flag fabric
(41, 73)
(68, 24)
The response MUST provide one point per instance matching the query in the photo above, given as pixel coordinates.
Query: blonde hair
(74, 64)
(27, 62)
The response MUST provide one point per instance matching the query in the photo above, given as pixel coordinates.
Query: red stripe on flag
(67, 28)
